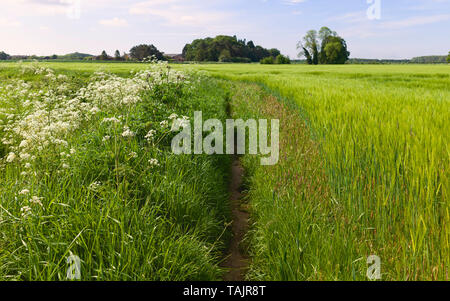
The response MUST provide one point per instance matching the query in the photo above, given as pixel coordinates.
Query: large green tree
(226, 49)
(309, 47)
(333, 49)
(143, 51)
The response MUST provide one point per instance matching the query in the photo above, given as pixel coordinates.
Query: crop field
(86, 170)
(383, 135)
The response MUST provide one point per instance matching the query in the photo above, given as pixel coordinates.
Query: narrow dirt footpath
(236, 262)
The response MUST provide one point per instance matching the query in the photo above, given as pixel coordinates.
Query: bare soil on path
(236, 261)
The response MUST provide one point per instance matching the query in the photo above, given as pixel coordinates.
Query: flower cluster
(37, 123)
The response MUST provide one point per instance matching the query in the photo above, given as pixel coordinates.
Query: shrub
(267, 61)
(281, 60)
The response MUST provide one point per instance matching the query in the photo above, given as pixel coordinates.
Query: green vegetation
(362, 171)
(382, 135)
(279, 60)
(432, 59)
(226, 49)
(4, 56)
(141, 52)
(333, 48)
(87, 169)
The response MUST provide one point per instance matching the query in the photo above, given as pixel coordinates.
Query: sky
(372, 28)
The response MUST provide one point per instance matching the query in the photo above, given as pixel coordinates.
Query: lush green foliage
(279, 60)
(333, 48)
(268, 60)
(432, 59)
(141, 52)
(383, 135)
(226, 49)
(87, 169)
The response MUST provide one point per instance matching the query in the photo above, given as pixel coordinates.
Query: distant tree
(268, 60)
(226, 48)
(333, 49)
(117, 56)
(4, 56)
(310, 45)
(281, 60)
(103, 57)
(54, 57)
(225, 56)
(431, 59)
(141, 52)
(448, 57)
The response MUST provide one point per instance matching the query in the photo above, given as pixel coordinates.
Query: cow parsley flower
(36, 201)
(11, 157)
(112, 120)
(24, 192)
(127, 132)
(150, 135)
(95, 186)
(25, 211)
(153, 162)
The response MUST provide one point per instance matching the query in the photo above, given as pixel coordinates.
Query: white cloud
(7, 22)
(293, 2)
(177, 13)
(114, 22)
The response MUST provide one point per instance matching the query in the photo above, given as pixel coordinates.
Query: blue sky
(406, 28)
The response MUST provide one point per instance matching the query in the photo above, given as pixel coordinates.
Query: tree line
(322, 47)
(227, 49)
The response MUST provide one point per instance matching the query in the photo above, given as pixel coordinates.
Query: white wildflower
(11, 157)
(25, 157)
(164, 124)
(36, 201)
(25, 211)
(23, 144)
(112, 120)
(127, 132)
(24, 192)
(95, 186)
(150, 135)
(153, 162)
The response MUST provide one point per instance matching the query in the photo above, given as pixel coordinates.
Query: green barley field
(87, 170)
(383, 134)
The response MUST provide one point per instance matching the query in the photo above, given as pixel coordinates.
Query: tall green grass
(383, 133)
(126, 219)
